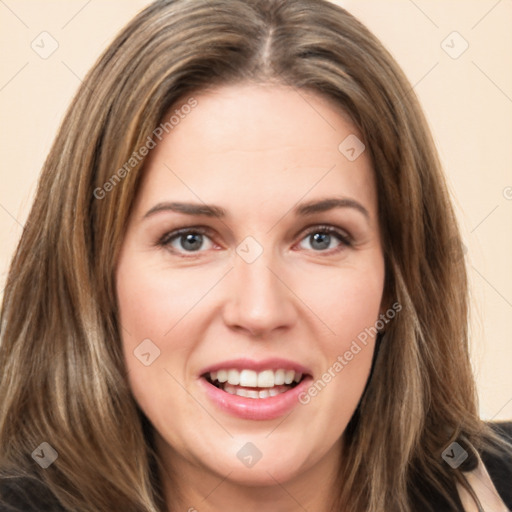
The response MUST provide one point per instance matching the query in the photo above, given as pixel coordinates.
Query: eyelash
(345, 240)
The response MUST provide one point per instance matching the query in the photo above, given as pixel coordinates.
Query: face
(252, 254)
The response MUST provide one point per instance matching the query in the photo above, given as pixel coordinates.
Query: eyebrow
(324, 205)
(188, 209)
(303, 210)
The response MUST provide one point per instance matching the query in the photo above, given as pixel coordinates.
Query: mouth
(256, 385)
(255, 390)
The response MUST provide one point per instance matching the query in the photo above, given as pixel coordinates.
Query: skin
(257, 151)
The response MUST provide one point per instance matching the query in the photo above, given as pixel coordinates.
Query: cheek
(348, 344)
(151, 307)
(152, 301)
(348, 302)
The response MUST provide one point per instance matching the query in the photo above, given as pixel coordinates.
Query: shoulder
(26, 495)
(499, 465)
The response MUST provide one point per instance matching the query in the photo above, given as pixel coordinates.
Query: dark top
(26, 495)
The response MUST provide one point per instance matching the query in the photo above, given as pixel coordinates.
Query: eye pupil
(192, 241)
(322, 241)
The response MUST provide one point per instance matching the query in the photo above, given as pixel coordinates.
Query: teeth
(279, 377)
(248, 378)
(251, 379)
(266, 379)
(252, 393)
(234, 377)
(289, 376)
(240, 392)
(230, 389)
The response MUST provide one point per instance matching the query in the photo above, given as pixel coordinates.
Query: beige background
(468, 101)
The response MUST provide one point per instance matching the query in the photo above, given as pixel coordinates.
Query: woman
(242, 283)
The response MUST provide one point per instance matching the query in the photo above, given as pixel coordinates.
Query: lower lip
(256, 408)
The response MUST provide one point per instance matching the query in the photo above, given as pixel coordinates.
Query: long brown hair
(62, 371)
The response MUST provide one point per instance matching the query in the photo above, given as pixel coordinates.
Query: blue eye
(184, 241)
(322, 238)
(187, 240)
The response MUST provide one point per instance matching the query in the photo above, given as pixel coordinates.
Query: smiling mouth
(252, 384)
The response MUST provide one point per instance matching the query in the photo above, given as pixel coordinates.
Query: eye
(325, 239)
(187, 240)
(198, 239)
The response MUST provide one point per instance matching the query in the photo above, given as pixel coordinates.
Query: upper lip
(258, 366)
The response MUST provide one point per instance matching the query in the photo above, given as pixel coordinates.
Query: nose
(259, 302)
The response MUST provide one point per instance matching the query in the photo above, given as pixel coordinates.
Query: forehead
(264, 143)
